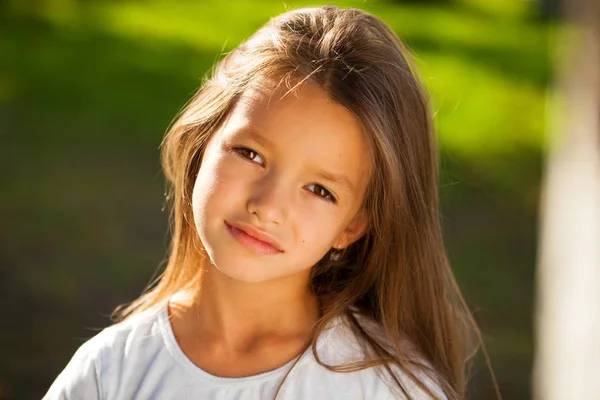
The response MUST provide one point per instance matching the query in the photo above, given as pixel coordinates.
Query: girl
(307, 259)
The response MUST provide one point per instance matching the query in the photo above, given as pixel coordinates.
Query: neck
(237, 313)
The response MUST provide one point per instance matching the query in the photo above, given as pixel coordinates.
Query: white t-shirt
(139, 358)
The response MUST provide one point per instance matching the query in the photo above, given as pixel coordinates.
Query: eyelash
(240, 150)
(328, 196)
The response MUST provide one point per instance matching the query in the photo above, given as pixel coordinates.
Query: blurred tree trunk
(567, 362)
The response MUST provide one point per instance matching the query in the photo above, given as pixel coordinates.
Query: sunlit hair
(397, 274)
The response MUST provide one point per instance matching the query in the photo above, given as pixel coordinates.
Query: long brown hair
(397, 274)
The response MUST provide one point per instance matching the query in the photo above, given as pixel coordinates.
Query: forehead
(306, 109)
(306, 124)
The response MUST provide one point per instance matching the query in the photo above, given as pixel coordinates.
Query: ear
(354, 230)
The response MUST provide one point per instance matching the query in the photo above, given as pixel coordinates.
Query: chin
(235, 261)
(247, 272)
(238, 265)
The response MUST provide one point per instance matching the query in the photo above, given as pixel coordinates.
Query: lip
(254, 238)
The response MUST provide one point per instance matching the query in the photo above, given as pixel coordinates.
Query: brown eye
(249, 154)
(322, 192)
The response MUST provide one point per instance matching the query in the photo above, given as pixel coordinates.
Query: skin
(254, 311)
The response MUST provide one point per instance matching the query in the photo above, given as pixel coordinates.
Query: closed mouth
(256, 234)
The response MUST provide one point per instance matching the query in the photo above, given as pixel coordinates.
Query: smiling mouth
(251, 242)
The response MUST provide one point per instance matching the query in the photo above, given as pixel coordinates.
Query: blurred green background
(87, 89)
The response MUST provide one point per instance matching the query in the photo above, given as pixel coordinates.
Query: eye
(249, 154)
(322, 192)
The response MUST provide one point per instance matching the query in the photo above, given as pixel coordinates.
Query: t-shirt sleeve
(80, 378)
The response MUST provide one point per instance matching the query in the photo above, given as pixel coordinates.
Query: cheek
(317, 231)
(217, 185)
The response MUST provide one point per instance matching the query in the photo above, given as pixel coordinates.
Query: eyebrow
(252, 133)
(341, 180)
(337, 179)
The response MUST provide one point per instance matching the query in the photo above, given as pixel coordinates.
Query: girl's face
(281, 182)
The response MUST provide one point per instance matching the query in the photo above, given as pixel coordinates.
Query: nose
(270, 200)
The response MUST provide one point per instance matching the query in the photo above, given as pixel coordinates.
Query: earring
(336, 254)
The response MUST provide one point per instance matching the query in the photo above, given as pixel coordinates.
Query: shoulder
(340, 345)
(104, 356)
